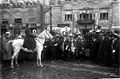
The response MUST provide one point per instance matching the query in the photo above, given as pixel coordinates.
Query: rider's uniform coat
(29, 42)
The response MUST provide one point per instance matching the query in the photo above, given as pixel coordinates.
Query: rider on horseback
(29, 42)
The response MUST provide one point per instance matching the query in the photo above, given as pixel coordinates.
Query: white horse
(17, 44)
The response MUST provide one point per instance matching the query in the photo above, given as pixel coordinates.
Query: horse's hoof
(38, 65)
(41, 66)
(18, 65)
(12, 67)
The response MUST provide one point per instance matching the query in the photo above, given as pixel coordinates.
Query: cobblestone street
(57, 70)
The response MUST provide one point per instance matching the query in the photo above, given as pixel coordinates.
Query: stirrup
(35, 50)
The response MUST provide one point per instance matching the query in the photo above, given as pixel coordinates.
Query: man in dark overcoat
(101, 50)
(94, 48)
(6, 48)
(116, 51)
(29, 42)
(108, 51)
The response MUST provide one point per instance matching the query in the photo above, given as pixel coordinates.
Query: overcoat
(29, 42)
(6, 49)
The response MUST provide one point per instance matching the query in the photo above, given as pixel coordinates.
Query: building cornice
(87, 5)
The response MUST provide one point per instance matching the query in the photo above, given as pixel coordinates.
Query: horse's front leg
(39, 58)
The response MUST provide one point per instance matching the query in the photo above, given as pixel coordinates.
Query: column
(119, 12)
(96, 17)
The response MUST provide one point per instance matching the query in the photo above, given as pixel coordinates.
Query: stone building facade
(15, 16)
(86, 14)
(80, 14)
(116, 14)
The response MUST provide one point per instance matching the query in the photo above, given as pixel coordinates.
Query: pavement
(58, 70)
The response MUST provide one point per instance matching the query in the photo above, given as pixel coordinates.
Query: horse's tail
(11, 41)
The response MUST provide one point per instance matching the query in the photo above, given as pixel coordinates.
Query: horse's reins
(42, 38)
(48, 34)
(39, 41)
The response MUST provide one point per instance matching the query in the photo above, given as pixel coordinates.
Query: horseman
(29, 42)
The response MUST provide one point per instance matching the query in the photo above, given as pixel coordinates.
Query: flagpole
(50, 16)
(72, 28)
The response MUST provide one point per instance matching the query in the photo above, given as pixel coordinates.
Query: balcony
(63, 25)
(86, 21)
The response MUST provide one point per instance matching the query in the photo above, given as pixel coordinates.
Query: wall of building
(119, 12)
(116, 14)
(67, 9)
(97, 6)
(56, 15)
(0, 16)
(28, 15)
(47, 18)
(1, 1)
(105, 23)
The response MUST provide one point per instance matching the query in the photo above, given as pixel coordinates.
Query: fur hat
(7, 33)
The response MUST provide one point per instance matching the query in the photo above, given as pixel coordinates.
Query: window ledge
(68, 21)
(104, 20)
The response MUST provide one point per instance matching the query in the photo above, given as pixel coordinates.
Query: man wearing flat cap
(6, 49)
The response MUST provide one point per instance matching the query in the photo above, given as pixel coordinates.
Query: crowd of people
(104, 47)
(99, 47)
